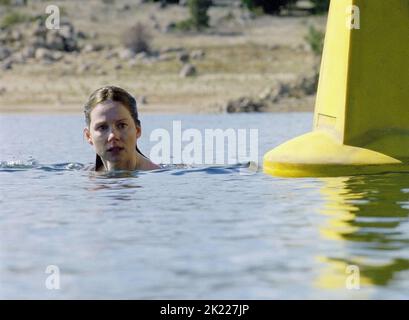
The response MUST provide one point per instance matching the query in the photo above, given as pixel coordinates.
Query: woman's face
(113, 133)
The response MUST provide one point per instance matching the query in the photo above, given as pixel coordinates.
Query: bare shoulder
(147, 164)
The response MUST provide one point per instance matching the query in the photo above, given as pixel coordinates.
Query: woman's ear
(87, 136)
(138, 132)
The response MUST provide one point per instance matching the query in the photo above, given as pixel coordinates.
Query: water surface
(195, 232)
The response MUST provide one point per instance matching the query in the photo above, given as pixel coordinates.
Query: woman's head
(111, 93)
(113, 127)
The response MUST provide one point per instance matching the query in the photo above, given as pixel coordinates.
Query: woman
(113, 129)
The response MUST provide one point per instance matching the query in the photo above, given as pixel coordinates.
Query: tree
(320, 6)
(198, 12)
(268, 6)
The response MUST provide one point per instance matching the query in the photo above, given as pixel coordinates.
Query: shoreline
(301, 105)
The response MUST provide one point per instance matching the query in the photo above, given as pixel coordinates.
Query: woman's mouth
(115, 150)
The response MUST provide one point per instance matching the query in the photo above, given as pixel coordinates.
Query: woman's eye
(122, 125)
(102, 127)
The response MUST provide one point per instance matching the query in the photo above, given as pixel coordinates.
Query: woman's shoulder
(147, 164)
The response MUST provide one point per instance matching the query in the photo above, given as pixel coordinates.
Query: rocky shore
(242, 63)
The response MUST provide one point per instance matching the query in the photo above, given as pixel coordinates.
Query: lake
(192, 232)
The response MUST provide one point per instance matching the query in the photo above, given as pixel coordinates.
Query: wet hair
(115, 94)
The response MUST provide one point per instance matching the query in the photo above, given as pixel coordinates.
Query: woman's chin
(114, 157)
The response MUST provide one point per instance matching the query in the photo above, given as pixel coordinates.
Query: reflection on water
(368, 217)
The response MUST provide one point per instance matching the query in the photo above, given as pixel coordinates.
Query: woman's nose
(113, 134)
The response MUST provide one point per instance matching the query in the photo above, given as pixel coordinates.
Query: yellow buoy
(361, 118)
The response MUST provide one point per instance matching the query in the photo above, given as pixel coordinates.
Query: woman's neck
(130, 164)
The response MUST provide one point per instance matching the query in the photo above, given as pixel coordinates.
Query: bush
(315, 39)
(13, 18)
(198, 13)
(199, 18)
(137, 38)
(184, 25)
(268, 6)
(320, 6)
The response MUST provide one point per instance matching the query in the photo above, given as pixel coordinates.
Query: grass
(14, 17)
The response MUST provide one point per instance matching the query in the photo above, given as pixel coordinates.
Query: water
(191, 233)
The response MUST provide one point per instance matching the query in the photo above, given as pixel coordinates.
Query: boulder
(70, 45)
(273, 93)
(6, 64)
(54, 41)
(126, 54)
(28, 52)
(67, 30)
(183, 57)
(90, 47)
(57, 56)
(243, 104)
(81, 35)
(308, 84)
(197, 54)
(43, 54)
(124, 7)
(141, 56)
(15, 35)
(169, 27)
(110, 54)
(165, 57)
(37, 42)
(39, 31)
(4, 53)
(18, 58)
(188, 70)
